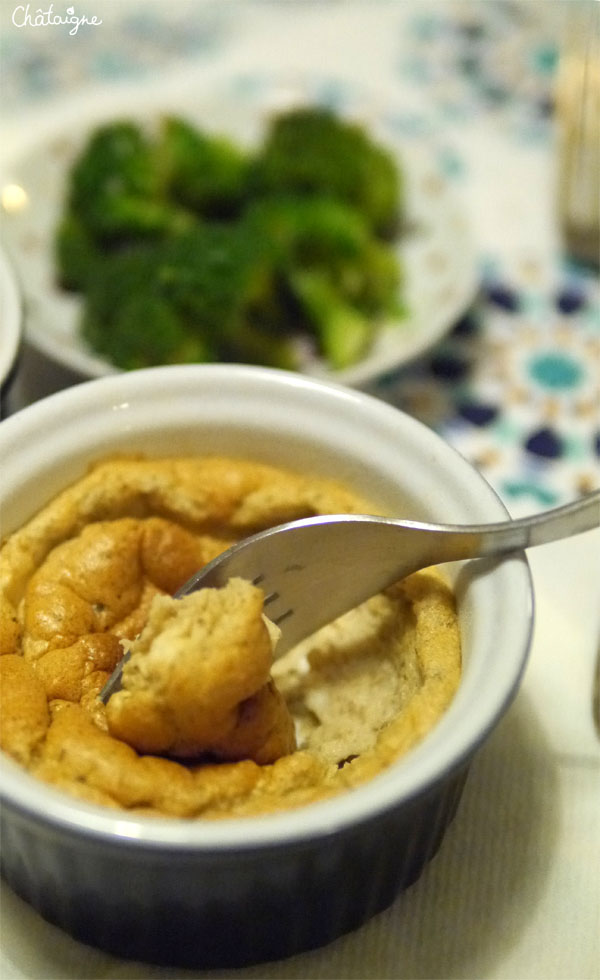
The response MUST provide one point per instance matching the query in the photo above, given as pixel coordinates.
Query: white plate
(11, 321)
(437, 253)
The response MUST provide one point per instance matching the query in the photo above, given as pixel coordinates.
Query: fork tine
(280, 619)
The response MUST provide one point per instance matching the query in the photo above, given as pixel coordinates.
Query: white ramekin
(233, 892)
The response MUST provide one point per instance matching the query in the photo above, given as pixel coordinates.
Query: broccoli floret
(338, 281)
(344, 334)
(143, 331)
(117, 188)
(129, 319)
(225, 281)
(200, 274)
(188, 298)
(207, 174)
(311, 150)
(312, 229)
(379, 291)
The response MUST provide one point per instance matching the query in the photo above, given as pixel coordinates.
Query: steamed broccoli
(313, 229)
(126, 187)
(128, 319)
(188, 248)
(343, 333)
(187, 298)
(339, 280)
(117, 188)
(206, 174)
(311, 150)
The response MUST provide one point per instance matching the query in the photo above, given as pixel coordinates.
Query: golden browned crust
(10, 630)
(83, 575)
(216, 498)
(24, 718)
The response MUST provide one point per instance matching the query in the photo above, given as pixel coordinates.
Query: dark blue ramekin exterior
(219, 909)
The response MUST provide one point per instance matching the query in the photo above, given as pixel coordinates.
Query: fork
(314, 569)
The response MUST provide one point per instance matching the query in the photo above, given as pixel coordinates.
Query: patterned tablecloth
(514, 386)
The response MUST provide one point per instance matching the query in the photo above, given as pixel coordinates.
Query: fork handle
(561, 522)
(455, 543)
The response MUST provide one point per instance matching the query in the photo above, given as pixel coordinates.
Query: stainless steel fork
(313, 570)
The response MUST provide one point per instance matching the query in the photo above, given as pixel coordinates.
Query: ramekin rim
(317, 819)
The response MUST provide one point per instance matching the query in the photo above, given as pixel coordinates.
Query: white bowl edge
(101, 416)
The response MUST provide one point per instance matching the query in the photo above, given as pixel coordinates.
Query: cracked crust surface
(98, 564)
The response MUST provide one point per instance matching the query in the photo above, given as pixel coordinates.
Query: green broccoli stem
(343, 332)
